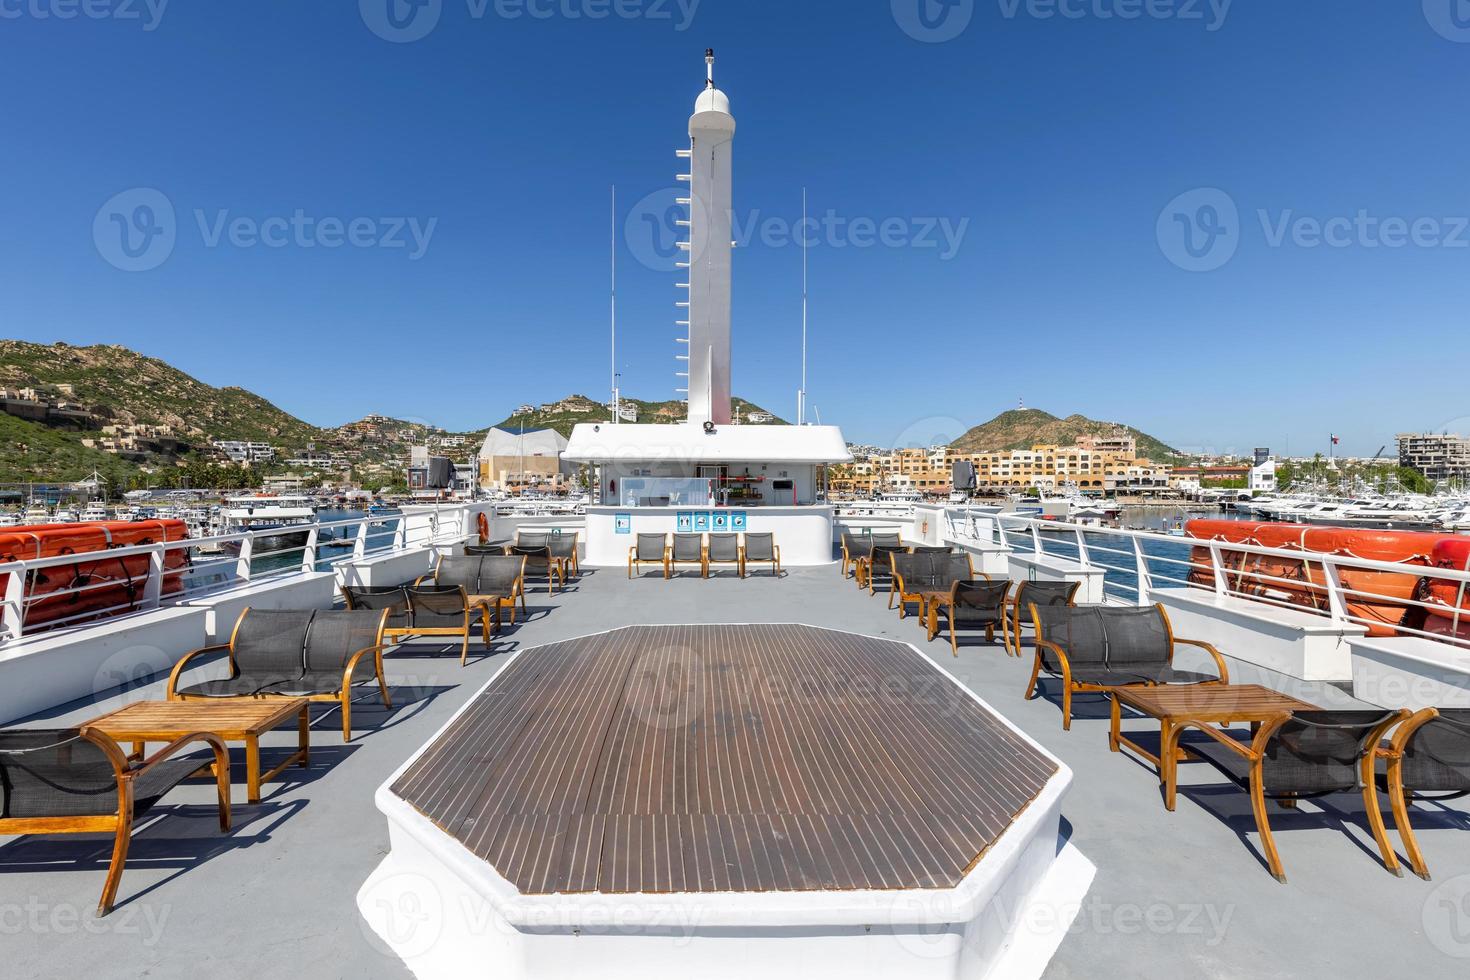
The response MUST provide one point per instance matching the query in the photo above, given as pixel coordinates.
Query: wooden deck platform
(662, 759)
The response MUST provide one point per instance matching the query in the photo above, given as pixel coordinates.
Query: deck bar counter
(706, 478)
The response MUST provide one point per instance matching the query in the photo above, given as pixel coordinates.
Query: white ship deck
(1174, 892)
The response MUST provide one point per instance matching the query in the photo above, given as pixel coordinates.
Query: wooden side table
(232, 719)
(1172, 706)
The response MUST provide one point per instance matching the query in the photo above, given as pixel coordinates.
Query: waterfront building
(1439, 456)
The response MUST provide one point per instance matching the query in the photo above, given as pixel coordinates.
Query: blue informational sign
(701, 523)
(685, 521)
(623, 523)
(721, 521)
(737, 520)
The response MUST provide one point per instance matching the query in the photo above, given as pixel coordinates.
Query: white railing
(168, 573)
(1135, 564)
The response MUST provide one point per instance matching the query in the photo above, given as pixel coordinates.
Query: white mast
(711, 145)
(613, 249)
(801, 395)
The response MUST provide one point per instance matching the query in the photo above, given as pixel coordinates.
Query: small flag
(1336, 441)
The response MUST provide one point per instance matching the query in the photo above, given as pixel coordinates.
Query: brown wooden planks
(661, 759)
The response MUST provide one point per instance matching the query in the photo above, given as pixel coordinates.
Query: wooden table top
(1210, 702)
(229, 718)
(659, 759)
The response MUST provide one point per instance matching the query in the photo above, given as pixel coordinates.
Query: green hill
(1027, 427)
(575, 409)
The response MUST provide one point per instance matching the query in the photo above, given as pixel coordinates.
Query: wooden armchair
(972, 604)
(763, 550)
(1429, 753)
(650, 549)
(1095, 649)
(724, 549)
(920, 576)
(1293, 757)
(688, 549)
(79, 781)
(1039, 593)
(316, 654)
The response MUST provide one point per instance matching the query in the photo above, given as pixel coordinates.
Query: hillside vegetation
(1027, 427)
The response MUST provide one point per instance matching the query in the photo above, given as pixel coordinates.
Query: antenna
(801, 395)
(613, 251)
(709, 67)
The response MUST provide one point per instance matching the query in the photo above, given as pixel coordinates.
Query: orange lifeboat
(1378, 599)
(1235, 532)
(1449, 611)
(98, 586)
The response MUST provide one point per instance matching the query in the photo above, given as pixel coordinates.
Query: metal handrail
(1339, 596)
(370, 537)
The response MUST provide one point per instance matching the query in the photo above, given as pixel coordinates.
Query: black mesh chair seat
(438, 606)
(1436, 759)
(391, 597)
(979, 603)
(689, 547)
(500, 576)
(462, 572)
(1038, 594)
(563, 547)
(296, 653)
(878, 566)
(761, 548)
(533, 539)
(235, 687)
(68, 780)
(724, 548)
(1313, 754)
(651, 547)
(883, 539)
(483, 550)
(915, 571)
(1098, 647)
(931, 549)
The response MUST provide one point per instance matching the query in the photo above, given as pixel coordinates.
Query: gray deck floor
(1175, 894)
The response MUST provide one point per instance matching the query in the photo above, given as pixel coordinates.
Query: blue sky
(1229, 224)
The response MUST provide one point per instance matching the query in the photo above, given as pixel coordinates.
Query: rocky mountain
(1027, 427)
(66, 411)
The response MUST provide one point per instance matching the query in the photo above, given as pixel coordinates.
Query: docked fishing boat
(289, 518)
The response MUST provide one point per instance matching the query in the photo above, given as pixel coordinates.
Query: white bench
(1411, 672)
(1294, 642)
(399, 568)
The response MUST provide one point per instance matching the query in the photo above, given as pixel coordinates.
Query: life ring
(482, 525)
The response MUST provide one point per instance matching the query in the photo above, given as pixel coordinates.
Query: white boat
(36, 514)
(95, 513)
(291, 516)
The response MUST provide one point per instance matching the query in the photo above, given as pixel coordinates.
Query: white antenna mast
(613, 250)
(801, 395)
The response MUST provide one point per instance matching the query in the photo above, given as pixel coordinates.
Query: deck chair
(540, 556)
(929, 572)
(1038, 594)
(855, 547)
(761, 549)
(878, 566)
(723, 549)
(688, 549)
(564, 550)
(972, 604)
(393, 598)
(1303, 755)
(316, 654)
(503, 582)
(1096, 649)
(650, 549)
(79, 781)
(1429, 753)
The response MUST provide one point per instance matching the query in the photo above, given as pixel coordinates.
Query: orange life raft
(97, 585)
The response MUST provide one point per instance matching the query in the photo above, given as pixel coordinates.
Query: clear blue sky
(1059, 140)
